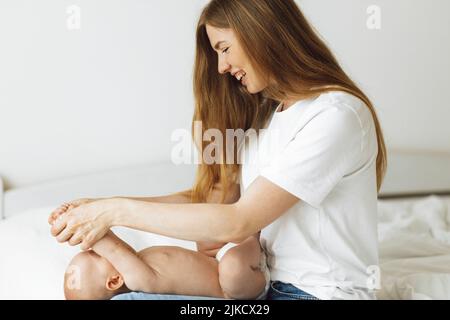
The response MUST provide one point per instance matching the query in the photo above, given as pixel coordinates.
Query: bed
(414, 220)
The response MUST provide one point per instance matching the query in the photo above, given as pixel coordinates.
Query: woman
(315, 197)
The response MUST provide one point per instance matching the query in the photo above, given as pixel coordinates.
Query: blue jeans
(277, 291)
(285, 291)
(154, 296)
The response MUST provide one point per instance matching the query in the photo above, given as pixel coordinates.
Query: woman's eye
(226, 50)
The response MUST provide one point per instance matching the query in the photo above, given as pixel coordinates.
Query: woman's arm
(204, 222)
(262, 203)
(179, 197)
(210, 248)
(182, 197)
(206, 247)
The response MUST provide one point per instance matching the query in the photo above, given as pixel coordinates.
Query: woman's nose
(223, 66)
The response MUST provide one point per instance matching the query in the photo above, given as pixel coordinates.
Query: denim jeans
(154, 296)
(277, 291)
(285, 291)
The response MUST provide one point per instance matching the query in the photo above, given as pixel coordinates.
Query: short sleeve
(326, 149)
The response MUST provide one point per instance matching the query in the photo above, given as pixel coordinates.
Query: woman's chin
(249, 88)
(252, 90)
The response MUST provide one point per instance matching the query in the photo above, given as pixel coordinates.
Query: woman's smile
(244, 80)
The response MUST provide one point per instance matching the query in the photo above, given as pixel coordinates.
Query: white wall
(404, 67)
(110, 94)
(106, 96)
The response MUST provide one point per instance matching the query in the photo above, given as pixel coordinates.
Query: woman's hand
(86, 224)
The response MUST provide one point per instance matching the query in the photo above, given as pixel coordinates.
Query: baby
(112, 267)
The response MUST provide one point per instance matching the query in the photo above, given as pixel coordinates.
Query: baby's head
(91, 277)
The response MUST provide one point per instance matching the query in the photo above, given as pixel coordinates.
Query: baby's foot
(58, 213)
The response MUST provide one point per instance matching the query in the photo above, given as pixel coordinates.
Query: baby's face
(91, 277)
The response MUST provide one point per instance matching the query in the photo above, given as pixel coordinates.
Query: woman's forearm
(208, 248)
(171, 198)
(214, 196)
(194, 221)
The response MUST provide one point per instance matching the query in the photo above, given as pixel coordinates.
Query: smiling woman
(312, 204)
(232, 59)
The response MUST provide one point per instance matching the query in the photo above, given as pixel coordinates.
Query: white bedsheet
(415, 249)
(414, 252)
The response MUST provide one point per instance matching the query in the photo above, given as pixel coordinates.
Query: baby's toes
(55, 214)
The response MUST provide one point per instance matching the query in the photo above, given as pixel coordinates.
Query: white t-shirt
(323, 151)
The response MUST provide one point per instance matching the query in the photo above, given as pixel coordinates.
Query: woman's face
(232, 59)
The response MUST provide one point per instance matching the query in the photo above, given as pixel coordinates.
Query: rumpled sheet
(414, 249)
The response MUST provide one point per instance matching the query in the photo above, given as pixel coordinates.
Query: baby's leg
(239, 270)
(182, 271)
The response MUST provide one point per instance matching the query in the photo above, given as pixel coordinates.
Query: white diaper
(262, 266)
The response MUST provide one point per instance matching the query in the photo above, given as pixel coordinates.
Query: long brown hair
(282, 45)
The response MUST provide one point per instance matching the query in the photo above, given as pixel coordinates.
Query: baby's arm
(137, 275)
(162, 269)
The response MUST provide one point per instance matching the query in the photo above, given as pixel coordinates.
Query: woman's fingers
(58, 226)
(91, 238)
(79, 222)
(85, 245)
(76, 239)
(64, 235)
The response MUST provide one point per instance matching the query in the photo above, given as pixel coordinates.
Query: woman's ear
(114, 282)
